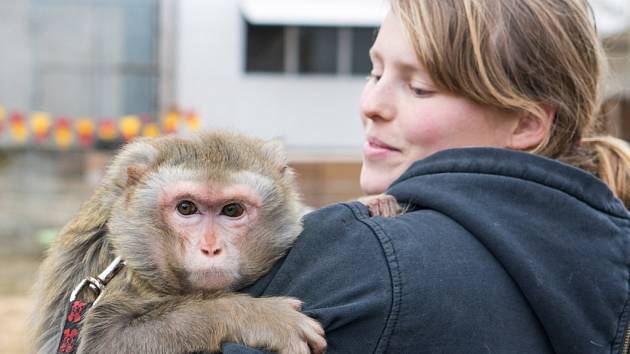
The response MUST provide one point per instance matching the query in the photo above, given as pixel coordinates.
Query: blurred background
(80, 77)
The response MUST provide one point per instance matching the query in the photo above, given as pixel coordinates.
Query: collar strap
(79, 305)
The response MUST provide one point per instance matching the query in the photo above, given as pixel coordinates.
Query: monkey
(384, 205)
(194, 219)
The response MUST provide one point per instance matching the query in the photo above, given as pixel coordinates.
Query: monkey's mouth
(212, 279)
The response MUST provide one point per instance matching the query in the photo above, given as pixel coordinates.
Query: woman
(469, 109)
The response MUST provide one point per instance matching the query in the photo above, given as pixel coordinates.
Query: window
(265, 48)
(318, 50)
(308, 49)
(361, 42)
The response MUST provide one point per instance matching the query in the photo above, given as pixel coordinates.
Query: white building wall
(308, 112)
(15, 61)
(314, 113)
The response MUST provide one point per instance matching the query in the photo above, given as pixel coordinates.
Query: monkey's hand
(276, 324)
(382, 205)
(192, 323)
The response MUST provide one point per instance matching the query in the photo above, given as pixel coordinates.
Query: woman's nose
(378, 101)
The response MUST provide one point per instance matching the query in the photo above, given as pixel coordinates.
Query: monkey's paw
(286, 330)
(382, 205)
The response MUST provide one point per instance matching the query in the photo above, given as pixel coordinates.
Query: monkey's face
(201, 232)
(209, 213)
(210, 223)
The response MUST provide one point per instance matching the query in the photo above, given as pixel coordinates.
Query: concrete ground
(16, 277)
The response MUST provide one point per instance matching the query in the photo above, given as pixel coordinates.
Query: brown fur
(147, 307)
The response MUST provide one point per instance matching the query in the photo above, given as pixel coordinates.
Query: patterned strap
(69, 342)
(80, 305)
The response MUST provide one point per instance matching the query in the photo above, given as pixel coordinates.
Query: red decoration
(19, 130)
(40, 124)
(193, 121)
(17, 118)
(68, 341)
(75, 313)
(85, 131)
(63, 132)
(130, 127)
(169, 123)
(3, 114)
(107, 130)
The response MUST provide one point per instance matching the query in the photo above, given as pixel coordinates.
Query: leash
(80, 304)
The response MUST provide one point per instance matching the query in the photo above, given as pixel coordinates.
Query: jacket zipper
(626, 340)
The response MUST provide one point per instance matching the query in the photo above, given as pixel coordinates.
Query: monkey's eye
(186, 207)
(233, 210)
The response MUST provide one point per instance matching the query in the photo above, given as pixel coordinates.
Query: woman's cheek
(422, 132)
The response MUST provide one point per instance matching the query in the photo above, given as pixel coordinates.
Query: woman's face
(406, 118)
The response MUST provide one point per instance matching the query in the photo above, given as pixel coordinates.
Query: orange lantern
(85, 131)
(107, 130)
(192, 119)
(40, 124)
(3, 116)
(130, 127)
(151, 130)
(19, 130)
(169, 124)
(63, 132)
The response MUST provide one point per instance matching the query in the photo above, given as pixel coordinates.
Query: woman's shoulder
(364, 277)
(340, 268)
(398, 284)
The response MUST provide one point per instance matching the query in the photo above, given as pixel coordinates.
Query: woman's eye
(186, 207)
(420, 92)
(233, 210)
(373, 76)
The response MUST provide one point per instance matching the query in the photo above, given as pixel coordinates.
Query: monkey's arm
(188, 324)
(338, 267)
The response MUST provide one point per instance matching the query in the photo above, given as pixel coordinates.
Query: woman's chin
(372, 182)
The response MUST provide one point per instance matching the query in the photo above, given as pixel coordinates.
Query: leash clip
(97, 285)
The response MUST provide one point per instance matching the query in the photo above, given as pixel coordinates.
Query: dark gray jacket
(501, 252)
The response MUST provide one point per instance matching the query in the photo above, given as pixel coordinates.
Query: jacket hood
(558, 231)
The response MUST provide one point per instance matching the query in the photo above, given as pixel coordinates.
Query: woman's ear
(532, 129)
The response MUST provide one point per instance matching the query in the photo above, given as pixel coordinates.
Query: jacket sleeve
(231, 348)
(339, 269)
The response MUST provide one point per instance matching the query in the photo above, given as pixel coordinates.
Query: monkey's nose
(215, 251)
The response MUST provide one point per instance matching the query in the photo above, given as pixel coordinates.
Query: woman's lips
(375, 149)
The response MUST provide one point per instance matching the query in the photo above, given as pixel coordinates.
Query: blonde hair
(524, 56)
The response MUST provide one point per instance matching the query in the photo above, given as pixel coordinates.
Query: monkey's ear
(274, 151)
(135, 173)
(131, 163)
